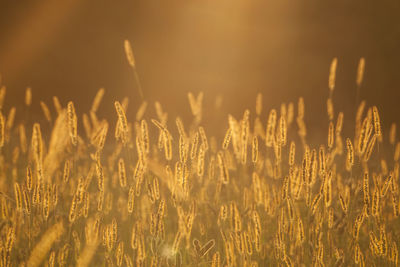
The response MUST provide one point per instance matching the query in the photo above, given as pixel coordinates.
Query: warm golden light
(198, 133)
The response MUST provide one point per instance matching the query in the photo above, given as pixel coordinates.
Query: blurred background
(231, 48)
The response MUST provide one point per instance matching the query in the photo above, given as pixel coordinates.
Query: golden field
(78, 190)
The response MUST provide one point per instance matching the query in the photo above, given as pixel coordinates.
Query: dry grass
(260, 196)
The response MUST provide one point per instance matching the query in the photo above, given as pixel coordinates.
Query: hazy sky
(234, 48)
